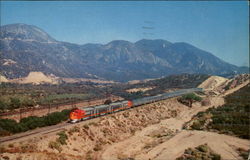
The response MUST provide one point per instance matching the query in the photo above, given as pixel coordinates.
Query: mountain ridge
(29, 48)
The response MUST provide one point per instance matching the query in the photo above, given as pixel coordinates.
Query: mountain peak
(152, 40)
(24, 32)
(152, 44)
(120, 42)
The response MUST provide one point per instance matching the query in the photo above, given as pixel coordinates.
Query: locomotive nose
(72, 116)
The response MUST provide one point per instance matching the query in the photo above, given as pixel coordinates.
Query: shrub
(15, 102)
(191, 96)
(55, 145)
(205, 102)
(231, 118)
(8, 125)
(203, 148)
(97, 147)
(28, 102)
(86, 126)
(199, 152)
(196, 125)
(11, 126)
(62, 138)
(53, 118)
(74, 129)
(3, 105)
(33, 122)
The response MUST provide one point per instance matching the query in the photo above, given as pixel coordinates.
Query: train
(84, 113)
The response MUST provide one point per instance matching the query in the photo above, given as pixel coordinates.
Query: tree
(3, 105)
(15, 102)
(190, 98)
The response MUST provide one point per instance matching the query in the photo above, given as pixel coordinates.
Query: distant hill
(26, 48)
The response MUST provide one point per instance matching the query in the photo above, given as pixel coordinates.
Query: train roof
(101, 106)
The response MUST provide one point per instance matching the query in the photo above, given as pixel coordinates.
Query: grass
(58, 97)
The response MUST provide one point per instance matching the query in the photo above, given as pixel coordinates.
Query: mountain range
(27, 48)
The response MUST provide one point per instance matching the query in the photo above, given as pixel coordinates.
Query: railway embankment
(88, 140)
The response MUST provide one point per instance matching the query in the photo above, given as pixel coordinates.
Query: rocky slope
(26, 48)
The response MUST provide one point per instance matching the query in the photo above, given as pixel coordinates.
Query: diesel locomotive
(84, 113)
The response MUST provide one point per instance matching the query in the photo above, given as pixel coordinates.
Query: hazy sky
(218, 27)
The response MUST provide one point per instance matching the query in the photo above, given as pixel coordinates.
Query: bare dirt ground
(218, 85)
(36, 78)
(89, 139)
(152, 131)
(222, 144)
(213, 82)
(40, 77)
(139, 89)
(141, 145)
(3, 79)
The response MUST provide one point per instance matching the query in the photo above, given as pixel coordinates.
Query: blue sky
(218, 27)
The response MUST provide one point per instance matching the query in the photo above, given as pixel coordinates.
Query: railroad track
(55, 128)
(44, 130)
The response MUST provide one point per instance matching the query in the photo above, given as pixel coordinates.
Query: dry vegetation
(202, 152)
(91, 138)
(231, 118)
(150, 131)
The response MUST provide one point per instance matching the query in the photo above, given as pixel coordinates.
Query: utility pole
(49, 108)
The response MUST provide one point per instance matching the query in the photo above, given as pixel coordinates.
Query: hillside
(153, 131)
(26, 48)
(231, 118)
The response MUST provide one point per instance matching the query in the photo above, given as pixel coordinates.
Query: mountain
(26, 48)
(24, 32)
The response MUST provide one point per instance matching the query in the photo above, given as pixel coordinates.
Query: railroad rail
(137, 102)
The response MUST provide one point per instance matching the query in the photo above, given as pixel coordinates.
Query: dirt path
(223, 144)
(236, 88)
(141, 141)
(167, 147)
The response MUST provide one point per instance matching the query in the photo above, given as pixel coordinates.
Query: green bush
(191, 96)
(3, 105)
(196, 125)
(28, 102)
(62, 138)
(32, 122)
(53, 118)
(232, 118)
(15, 102)
(199, 152)
(8, 125)
(55, 145)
